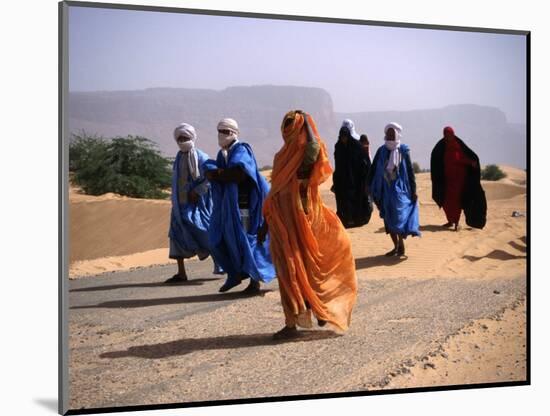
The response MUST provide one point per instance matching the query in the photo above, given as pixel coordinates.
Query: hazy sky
(364, 68)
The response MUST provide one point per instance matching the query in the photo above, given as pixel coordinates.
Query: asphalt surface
(136, 341)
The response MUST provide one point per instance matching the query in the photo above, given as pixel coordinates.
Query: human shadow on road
(375, 261)
(191, 282)
(188, 345)
(142, 303)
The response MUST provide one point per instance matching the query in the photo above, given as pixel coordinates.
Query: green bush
(492, 173)
(82, 148)
(130, 166)
(416, 168)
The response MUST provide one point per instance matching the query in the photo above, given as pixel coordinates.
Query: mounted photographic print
(273, 207)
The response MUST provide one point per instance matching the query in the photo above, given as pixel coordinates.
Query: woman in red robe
(456, 184)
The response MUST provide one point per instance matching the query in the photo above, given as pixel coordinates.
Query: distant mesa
(154, 112)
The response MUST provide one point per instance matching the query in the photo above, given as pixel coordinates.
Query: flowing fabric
(311, 251)
(472, 196)
(233, 247)
(350, 183)
(455, 178)
(189, 222)
(393, 195)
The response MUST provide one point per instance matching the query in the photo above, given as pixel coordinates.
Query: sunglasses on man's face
(226, 132)
(183, 139)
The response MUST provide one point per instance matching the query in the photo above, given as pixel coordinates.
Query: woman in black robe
(350, 179)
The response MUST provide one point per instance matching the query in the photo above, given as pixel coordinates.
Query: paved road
(135, 341)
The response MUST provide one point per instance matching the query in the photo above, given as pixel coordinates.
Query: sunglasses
(182, 139)
(226, 132)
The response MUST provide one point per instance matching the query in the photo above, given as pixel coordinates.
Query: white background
(28, 366)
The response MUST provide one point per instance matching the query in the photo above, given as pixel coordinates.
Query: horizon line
(297, 86)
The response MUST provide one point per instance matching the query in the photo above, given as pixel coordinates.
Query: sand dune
(515, 175)
(110, 232)
(114, 226)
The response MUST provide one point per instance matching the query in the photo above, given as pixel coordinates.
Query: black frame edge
(293, 398)
(528, 235)
(319, 19)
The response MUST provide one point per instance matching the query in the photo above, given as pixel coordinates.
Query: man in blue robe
(191, 204)
(238, 192)
(392, 185)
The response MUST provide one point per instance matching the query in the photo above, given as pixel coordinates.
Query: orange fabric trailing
(310, 248)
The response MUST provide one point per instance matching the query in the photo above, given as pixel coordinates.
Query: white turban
(350, 125)
(186, 130)
(393, 145)
(188, 147)
(227, 124)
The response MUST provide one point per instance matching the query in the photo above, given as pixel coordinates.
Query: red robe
(455, 163)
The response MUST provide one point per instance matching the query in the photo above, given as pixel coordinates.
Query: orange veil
(310, 248)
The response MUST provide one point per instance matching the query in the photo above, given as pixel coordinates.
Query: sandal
(175, 279)
(286, 333)
(229, 285)
(253, 288)
(401, 251)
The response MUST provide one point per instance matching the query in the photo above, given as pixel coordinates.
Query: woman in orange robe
(309, 246)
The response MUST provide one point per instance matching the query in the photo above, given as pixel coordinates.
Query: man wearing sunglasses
(238, 193)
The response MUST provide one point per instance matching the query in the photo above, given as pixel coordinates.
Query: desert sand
(485, 351)
(112, 233)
